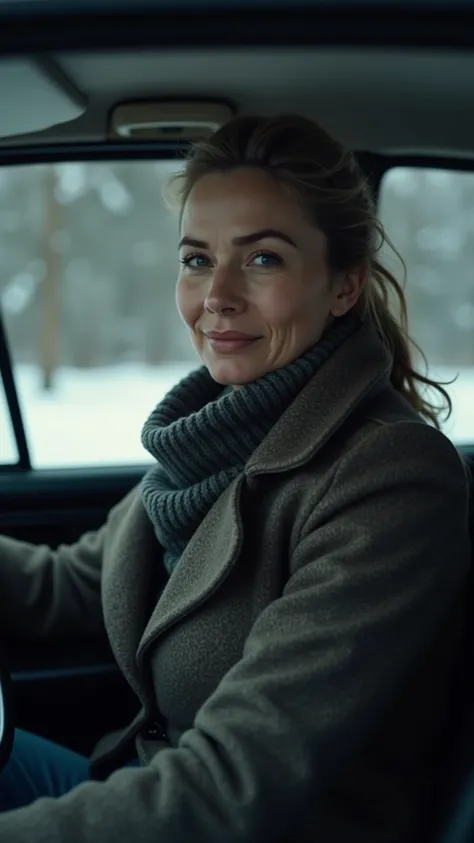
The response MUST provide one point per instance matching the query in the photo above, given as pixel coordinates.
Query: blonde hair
(335, 195)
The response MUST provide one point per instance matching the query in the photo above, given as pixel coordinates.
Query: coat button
(154, 732)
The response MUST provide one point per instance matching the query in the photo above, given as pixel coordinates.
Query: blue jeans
(38, 767)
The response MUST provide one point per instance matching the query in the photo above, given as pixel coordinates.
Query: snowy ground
(94, 417)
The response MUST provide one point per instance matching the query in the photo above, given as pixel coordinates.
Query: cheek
(287, 303)
(188, 301)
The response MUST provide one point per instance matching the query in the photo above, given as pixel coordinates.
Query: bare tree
(50, 290)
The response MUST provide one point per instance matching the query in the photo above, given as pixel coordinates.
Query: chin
(231, 373)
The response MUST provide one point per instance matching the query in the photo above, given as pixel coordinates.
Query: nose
(224, 294)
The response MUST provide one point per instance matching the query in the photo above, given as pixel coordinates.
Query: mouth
(230, 341)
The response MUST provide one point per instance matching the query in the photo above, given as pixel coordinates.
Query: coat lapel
(206, 562)
(130, 586)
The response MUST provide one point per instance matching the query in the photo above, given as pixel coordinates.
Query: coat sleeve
(49, 593)
(379, 563)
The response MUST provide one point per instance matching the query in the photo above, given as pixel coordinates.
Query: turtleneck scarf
(202, 434)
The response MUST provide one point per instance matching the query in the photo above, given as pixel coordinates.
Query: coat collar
(359, 368)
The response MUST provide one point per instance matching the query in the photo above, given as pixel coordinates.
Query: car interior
(408, 105)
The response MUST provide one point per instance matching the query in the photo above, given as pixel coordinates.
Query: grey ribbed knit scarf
(202, 435)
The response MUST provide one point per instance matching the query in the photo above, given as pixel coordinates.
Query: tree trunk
(50, 288)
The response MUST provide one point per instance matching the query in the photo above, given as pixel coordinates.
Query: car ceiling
(380, 100)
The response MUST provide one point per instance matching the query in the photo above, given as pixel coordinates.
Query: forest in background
(89, 262)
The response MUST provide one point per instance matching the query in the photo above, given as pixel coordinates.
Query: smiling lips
(230, 341)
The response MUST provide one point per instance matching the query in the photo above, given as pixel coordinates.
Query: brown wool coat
(301, 649)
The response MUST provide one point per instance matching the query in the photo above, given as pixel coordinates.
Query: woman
(282, 593)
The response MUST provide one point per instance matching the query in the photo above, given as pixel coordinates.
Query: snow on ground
(94, 417)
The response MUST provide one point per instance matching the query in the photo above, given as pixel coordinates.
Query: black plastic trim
(6, 372)
(108, 150)
(62, 673)
(443, 162)
(349, 23)
(79, 7)
(53, 486)
(376, 165)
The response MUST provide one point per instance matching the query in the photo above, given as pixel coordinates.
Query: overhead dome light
(168, 121)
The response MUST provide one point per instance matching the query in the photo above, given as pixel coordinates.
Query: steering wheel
(6, 719)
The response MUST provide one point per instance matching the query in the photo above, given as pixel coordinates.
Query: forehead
(245, 199)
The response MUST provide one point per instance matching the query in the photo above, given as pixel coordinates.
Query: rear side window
(87, 286)
(429, 216)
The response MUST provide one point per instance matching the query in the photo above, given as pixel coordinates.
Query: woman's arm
(376, 571)
(47, 593)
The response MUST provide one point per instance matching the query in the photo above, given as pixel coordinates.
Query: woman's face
(254, 287)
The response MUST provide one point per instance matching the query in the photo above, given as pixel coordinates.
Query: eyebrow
(245, 240)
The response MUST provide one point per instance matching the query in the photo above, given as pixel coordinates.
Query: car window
(89, 261)
(428, 214)
(87, 277)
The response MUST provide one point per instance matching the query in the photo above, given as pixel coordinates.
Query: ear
(347, 289)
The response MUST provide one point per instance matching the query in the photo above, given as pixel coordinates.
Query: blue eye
(195, 261)
(267, 259)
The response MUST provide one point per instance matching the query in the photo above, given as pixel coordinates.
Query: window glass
(429, 216)
(87, 286)
(89, 262)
